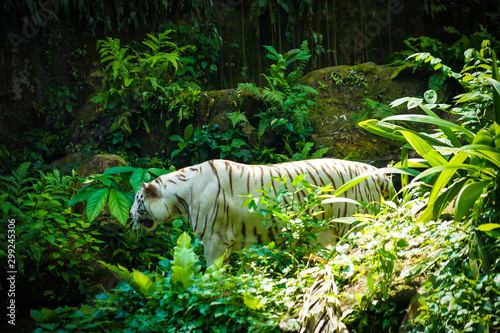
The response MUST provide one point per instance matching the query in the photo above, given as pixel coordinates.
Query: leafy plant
(373, 109)
(295, 222)
(54, 247)
(182, 141)
(288, 112)
(446, 156)
(463, 163)
(106, 188)
(178, 297)
(142, 84)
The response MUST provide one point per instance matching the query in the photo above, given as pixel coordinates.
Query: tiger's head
(148, 209)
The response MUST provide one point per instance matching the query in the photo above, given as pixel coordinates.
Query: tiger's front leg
(215, 247)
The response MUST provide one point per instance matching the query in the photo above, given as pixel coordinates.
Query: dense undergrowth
(440, 235)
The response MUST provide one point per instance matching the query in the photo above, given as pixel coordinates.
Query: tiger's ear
(150, 191)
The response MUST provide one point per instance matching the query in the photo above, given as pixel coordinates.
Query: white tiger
(208, 195)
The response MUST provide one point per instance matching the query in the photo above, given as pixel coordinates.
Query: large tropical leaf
(353, 182)
(431, 120)
(424, 149)
(96, 203)
(467, 197)
(185, 264)
(139, 176)
(119, 205)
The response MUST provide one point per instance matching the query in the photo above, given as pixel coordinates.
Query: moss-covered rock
(341, 105)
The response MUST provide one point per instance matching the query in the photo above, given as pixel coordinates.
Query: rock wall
(341, 104)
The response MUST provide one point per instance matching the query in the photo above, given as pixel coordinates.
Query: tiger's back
(209, 196)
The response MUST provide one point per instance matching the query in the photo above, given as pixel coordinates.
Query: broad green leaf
(430, 96)
(442, 168)
(144, 282)
(253, 302)
(82, 195)
(496, 86)
(216, 270)
(431, 120)
(128, 81)
(87, 310)
(488, 226)
(185, 258)
(442, 199)
(139, 176)
(180, 276)
(158, 172)
(119, 169)
(188, 132)
(467, 197)
(446, 175)
(382, 128)
(119, 205)
(424, 149)
(381, 171)
(96, 203)
(485, 152)
(370, 283)
(333, 199)
(176, 137)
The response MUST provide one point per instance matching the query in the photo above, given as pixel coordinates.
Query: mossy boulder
(344, 92)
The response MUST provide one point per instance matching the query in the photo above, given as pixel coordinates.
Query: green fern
(237, 117)
(249, 87)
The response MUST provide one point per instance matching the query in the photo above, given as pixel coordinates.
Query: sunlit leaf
(253, 302)
(488, 226)
(467, 197)
(96, 203)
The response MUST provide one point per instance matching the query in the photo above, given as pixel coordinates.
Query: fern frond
(320, 152)
(250, 87)
(305, 89)
(276, 97)
(303, 59)
(288, 149)
(237, 117)
(299, 119)
(304, 152)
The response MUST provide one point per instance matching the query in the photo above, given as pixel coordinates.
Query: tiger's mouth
(147, 223)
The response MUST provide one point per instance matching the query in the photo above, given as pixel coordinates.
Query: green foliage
(142, 84)
(206, 143)
(443, 59)
(295, 222)
(458, 171)
(288, 111)
(178, 298)
(303, 152)
(106, 188)
(183, 142)
(54, 247)
(351, 80)
(463, 161)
